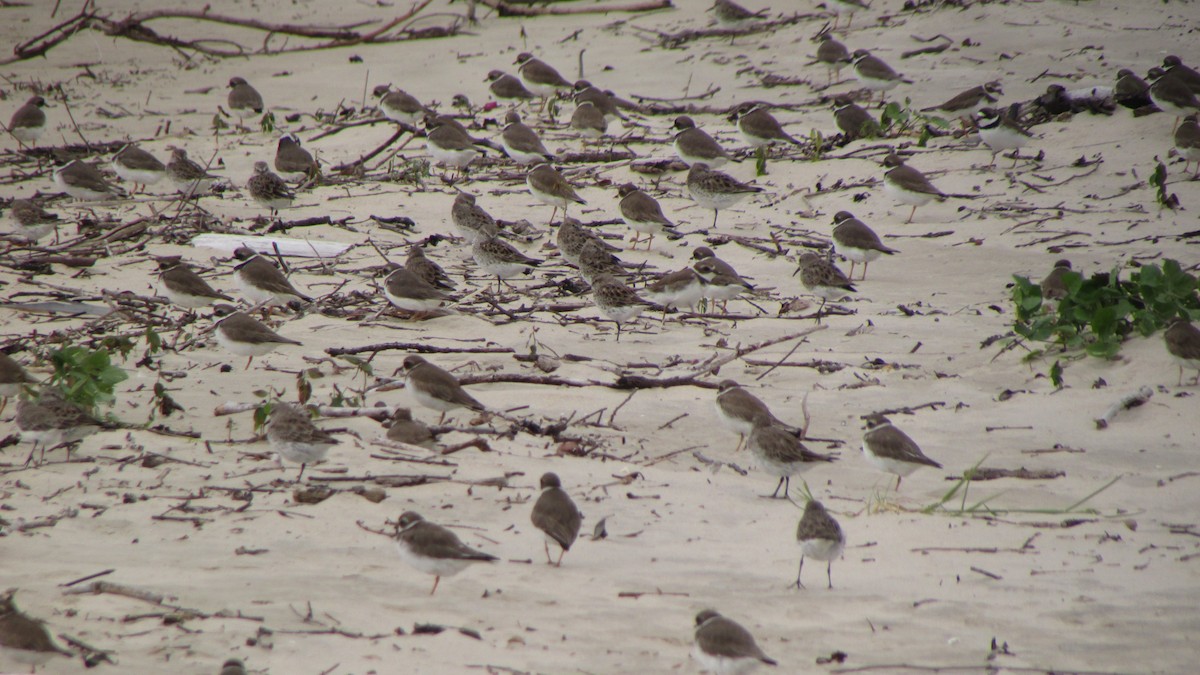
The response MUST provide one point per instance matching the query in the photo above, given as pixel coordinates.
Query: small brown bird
(262, 282)
(427, 270)
(404, 429)
(589, 120)
(556, 515)
(908, 185)
(540, 77)
(1187, 142)
(399, 106)
(854, 121)
(643, 214)
(244, 100)
(246, 336)
(548, 186)
(823, 279)
(23, 638)
(820, 537)
(138, 167)
(1054, 286)
(292, 434)
(521, 143)
(834, 55)
(292, 161)
(32, 221)
(1183, 344)
(184, 287)
(29, 121)
(13, 379)
(189, 176)
(724, 647)
(505, 87)
(857, 242)
(742, 411)
(269, 190)
(602, 101)
(436, 388)
(781, 453)
(874, 74)
(716, 190)
(433, 549)
(758, 127)
(693, 145)
(891, 450)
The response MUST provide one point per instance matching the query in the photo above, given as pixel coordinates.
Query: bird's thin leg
(558, 563)
(851, 269)
(302, 465)
(248, 362)
(442, 418)
(798, 584)
(829, 573)
(864, 276)
(775, 494)
(741, 440)
(436, 579)
(911, 214)
(715, 212)
(618, 330)
(546, 547)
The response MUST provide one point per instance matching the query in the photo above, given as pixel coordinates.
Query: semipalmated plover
(435, 388)
(28, 122)
(262, 282)
(184, 287)
(246, 336)
(555, 514)
(547, 185)
(758, 127)
(693, 145)
(138, 167)
(244, 100)
(521, 143)
(1183, 344)
(891, 450)
(505, 87)
(23, 638)
(722, 646)
(433, 549)
(999, 132)
(854, 121)
(409, 292)
(908, 185)
(292, 161)
(643, 214)
(873, 73)
(399, 106)
(855, 241)
(589, 120)
(83, 181)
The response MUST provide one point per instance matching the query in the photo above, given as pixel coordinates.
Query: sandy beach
(1092, 571)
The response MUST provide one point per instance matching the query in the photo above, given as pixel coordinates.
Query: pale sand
(1100, 596)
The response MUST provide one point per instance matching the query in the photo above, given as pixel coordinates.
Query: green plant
(898, 120)
(760, 161)
(818, 144)
(268, 122)
(1158, 180)
(85, 376)
(1101, 312)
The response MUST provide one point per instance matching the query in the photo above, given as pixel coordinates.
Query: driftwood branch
(134, 27)
(505, 9)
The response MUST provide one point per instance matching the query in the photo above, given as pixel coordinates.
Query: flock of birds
(421, 285)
